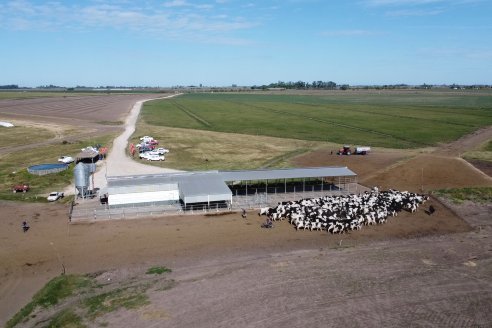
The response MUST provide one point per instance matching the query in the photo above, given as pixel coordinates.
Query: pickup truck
(54, 196)
(20, 188)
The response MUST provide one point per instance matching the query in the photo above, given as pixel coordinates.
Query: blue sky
(225, 42)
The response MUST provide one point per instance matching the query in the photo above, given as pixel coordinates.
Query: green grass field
(13, 169)
(207, 150)
(483, 153)
(393, 120)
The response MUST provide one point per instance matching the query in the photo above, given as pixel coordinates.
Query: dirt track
(118, 162)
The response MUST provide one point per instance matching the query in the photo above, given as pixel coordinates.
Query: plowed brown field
(86, 115)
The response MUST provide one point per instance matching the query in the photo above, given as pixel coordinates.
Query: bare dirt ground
(416, 270)
(365, 166)
(188, 245)
(485, 167)
(412, 170)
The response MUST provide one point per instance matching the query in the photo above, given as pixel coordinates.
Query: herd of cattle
(339, 214)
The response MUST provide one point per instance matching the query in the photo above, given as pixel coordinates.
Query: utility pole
(58, 257)
(422, 181)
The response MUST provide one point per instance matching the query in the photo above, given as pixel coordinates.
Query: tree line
(323, 85)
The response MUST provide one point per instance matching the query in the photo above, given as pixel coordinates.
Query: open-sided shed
(215, 186)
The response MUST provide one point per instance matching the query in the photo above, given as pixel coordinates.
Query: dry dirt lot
(195, 245)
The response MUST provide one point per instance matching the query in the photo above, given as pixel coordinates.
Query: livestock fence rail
(91, 210)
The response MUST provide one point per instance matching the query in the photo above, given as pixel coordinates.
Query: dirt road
(118, 162)
(465, 143)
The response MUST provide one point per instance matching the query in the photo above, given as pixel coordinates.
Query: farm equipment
(345, 150)
(359, 150)
(20, 188)
(362, 150)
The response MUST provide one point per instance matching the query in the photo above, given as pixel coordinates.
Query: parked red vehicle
(20, 188)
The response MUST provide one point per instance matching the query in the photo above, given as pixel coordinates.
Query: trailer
(358, 150)
(362, 150)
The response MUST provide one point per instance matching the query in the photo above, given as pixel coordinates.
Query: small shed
(87, 156)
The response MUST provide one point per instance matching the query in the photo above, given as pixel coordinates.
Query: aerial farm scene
(231, 164)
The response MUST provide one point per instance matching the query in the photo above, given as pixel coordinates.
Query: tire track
(192, 115)
(328, 122)
(395, 115)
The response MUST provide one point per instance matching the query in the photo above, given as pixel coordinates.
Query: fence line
(88, 212)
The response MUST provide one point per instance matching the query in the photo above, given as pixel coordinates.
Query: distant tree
(9, 86)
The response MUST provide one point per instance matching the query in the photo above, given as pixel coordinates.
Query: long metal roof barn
(314, 172)
(207, 186)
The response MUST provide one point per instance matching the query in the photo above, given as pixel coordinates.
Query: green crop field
(390, 119)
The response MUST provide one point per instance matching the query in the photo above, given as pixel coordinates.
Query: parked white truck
(362, 150)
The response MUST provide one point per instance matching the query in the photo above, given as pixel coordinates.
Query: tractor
(345, 150)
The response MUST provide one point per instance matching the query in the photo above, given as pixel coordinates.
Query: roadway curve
(117, 162)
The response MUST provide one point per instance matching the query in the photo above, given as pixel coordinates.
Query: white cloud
(414, 12)
(348, 33)
(417, 2)
(457, 52)
(176, 3)
(176, 17)
(400, 2)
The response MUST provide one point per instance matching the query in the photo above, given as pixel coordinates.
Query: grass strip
(53, 292)
(158, 270)
(66, 319)
(128, 298)
(481, 195)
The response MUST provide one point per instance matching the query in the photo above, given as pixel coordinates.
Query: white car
(155, 158)
(146, 139)
(146, 154)
(66, 159)
(54, 196)
(162, 151)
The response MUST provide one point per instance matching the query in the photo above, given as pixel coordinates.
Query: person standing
(25, 226)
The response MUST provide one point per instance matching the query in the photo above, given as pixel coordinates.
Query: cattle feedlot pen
(144, 195)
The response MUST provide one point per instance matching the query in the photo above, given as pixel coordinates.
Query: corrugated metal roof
(202, 186)
(314, 172)
(87, 154)
(205, 183)
(153, 179)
